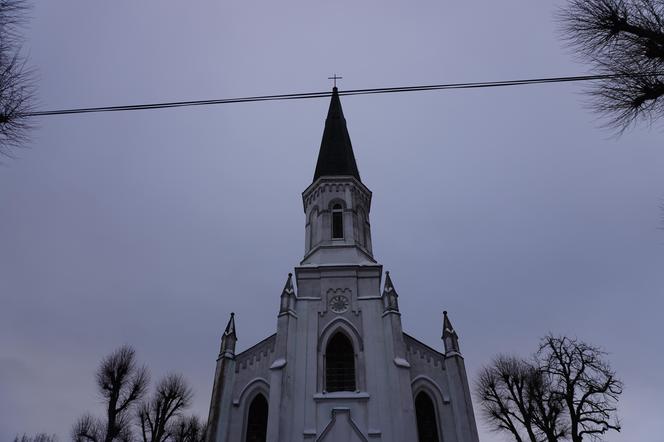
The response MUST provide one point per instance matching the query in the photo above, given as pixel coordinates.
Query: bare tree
(514, 397)
(549, 415)
(39, 437)
(625, 39)
(567, 391)
(87, 429)
(188, 429)
(158, 415)
(121, 384)
(587, 384)
(17, 85)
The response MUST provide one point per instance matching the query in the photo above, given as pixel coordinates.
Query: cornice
(336, 184)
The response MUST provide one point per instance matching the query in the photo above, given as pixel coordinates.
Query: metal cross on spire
(335, 78)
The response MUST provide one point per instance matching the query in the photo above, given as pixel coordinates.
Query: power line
(308, 95)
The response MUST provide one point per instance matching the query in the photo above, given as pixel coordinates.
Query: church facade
(339, 367)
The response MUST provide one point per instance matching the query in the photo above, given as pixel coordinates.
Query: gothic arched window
(427, 426)
(339, 364)
(337, 222)
(257, 420)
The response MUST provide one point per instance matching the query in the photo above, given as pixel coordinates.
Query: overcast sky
(508, 207)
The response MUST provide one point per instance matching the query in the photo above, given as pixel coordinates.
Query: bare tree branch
(157, 416)
(188, 429)
(624, 38)
(87, 429)
(17, 81)
(39, 437)
(585, 381)
(121, 384)
(515, 397)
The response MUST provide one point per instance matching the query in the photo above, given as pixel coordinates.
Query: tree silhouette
(586, 383)
(625, 39)
(188, 429)
(121, 384)
(566, 391)
(516, 397)
(39, 437)
(17, 85)
(157, 416)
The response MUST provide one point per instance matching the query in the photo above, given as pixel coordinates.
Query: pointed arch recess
(426, 385)
(340, 373)
(428, 419)
(335, 201)
(256, 419)
(345, 327)
(253, 387)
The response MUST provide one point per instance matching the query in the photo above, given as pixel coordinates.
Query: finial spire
(287, 293)
(228, 339)
(450, 337)
(390, 295)
(230, 327)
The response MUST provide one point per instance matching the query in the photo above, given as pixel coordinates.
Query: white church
(339, 367)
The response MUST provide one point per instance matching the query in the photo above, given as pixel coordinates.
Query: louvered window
(337, 222)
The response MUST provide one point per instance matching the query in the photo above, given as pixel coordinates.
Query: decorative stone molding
(417, 350)
(255, 385)
(358, 191)
(338, 293)
(254, 354)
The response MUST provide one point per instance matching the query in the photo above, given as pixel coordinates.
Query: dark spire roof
(390, 294)
(448, 330)
(230, 327)
(288, 288)
(450, 337)
(336, 152)
(389, 287)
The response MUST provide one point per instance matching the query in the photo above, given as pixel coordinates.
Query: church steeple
(337, 203)
(335, 157)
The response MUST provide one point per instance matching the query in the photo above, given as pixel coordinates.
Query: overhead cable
(309, 95)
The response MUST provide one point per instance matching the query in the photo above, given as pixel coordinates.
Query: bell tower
(337, 204)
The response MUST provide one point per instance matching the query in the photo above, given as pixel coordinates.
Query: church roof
(336, 157)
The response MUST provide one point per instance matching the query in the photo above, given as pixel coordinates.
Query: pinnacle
(230, 327)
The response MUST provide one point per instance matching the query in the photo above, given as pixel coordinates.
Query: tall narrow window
(313, 228)
(337, 222)
(339, 364)
(257, 420)
(361, 228)
(427, 427)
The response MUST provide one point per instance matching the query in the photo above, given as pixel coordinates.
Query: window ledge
(351, 395)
